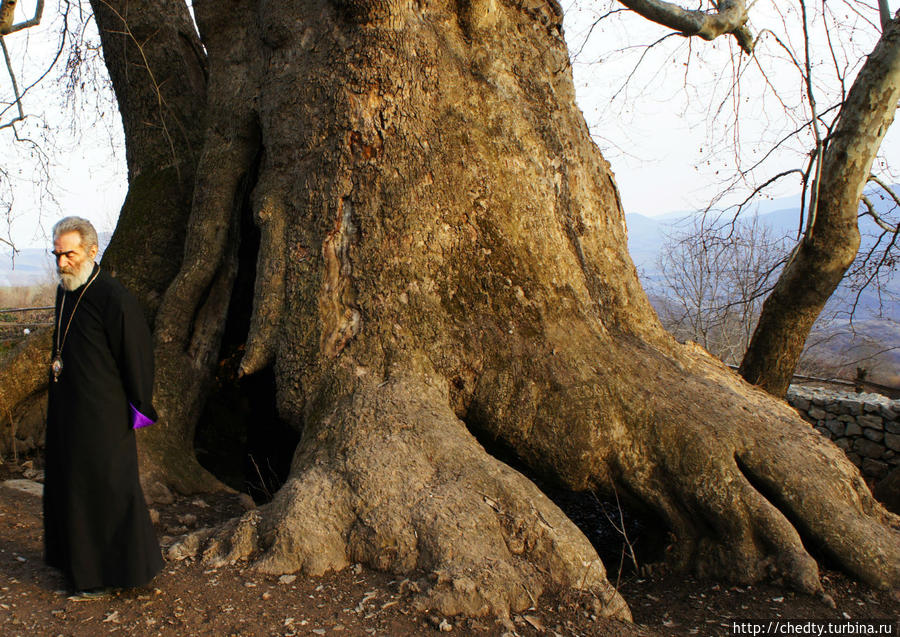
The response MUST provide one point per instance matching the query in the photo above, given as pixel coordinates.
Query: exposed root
(25, 370)
(750, 496)
(166, 467)
(821, 492)
(749, 490)
(396, 482)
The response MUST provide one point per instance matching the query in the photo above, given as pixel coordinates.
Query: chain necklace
(56, 365)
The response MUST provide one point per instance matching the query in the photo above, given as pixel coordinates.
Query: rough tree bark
(24, 380)
(443, 246)
(832, 240)
(158, 70)
(444, 250)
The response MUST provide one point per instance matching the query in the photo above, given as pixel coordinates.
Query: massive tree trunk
(444, 247)
(158, 69)
(832, 239)
(443, 252)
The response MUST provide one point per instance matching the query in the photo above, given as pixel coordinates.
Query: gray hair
(82, 226)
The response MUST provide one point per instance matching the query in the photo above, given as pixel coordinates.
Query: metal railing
(26, 309)
(12, 329)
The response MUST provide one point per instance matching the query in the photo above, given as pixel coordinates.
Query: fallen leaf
(535, 622)
(112, 617)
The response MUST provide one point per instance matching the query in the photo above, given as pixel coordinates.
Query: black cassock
(97, 529)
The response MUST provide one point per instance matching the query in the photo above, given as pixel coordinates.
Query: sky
(662, 117)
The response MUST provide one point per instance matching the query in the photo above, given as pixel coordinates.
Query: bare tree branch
(647, 48)
(885, 13)
(814, 118)
(870, 211)
(591, 31)
(887, 189)
(730, 18)
(12, 77)
(839, 73)
(50, 66)
(7, 28)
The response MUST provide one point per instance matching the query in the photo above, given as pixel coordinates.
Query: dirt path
(189, 599)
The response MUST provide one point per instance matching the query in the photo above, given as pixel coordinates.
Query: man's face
(73, 262)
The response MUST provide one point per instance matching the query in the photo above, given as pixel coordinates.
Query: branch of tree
(814, 120)
(591, 30)
(870, 211)
(885, 12)
(637, 64)
(24, 92)
(730, 18)
(12, 77)
(38, 11)
(887, 189)
(877, 268)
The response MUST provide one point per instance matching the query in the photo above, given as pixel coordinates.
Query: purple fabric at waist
(138, 419)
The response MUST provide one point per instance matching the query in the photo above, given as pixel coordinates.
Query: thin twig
(12, 76)
(262, 480)
(820, 144)
(38, 11)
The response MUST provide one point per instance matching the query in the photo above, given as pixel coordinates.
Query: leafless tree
(714, 280)
(715, 274)
(845, 59)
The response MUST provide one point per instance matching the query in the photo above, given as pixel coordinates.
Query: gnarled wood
(443, 244)
(23, 381)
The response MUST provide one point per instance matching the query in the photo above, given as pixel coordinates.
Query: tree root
(394, 480)
(748, 489)
(751, 491)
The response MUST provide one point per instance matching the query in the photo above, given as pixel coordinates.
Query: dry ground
(187, 598)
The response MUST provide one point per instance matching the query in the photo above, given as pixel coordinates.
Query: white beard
(78, 278)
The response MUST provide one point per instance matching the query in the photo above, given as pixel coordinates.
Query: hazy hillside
(646, 236)
(871, 341)
(30, 266)
(27, 267)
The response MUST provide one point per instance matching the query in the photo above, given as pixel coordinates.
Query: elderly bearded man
(97, 529)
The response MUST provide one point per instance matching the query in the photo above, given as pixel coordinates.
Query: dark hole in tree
(239, 437)
(625, 534)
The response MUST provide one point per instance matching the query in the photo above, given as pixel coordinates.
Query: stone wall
(865, 426)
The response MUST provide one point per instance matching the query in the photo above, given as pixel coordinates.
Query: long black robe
(97, 528)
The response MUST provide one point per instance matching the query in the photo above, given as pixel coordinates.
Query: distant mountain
(872, 341)
(647, 235)
(30, 266)
(26, 267)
